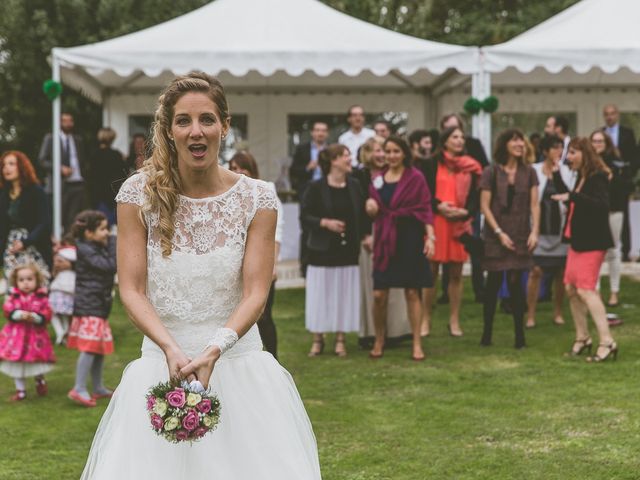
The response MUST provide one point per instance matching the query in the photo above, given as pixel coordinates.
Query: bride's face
(197, 130)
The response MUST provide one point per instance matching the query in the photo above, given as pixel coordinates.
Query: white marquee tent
(577, 61)
(600, 34)
(275, 57)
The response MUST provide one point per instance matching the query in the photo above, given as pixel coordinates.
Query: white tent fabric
(265, 36)
(600, 34)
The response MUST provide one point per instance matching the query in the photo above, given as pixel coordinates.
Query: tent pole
(55, 141)
(485, 116)
(475, 93)
(481, 89)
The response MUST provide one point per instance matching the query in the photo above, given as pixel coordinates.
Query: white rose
(171, 424)
(160, 407)
(193, 399)
(378, 182)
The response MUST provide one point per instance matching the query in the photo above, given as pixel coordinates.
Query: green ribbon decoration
(52, 89)
(473, 106)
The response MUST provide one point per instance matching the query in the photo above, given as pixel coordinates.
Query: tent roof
(599, 34)
(257, 36)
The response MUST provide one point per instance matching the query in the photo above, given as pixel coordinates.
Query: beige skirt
(398, 324)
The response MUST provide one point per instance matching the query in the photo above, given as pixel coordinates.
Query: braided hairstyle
(163, 178)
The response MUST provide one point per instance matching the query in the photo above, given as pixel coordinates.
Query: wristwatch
(498, 231)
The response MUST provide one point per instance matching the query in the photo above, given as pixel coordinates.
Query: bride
(195, 261)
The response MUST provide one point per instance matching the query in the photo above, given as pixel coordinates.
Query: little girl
(90, 332)
(25, 346)
(62, 288)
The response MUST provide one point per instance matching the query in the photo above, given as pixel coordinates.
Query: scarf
(464, 169)
(410, 199)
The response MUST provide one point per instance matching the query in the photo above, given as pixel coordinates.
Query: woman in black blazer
(588, 234)
(25, 222)
(333, 213)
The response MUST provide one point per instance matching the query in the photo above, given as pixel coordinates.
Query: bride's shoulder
(263, 192)
(132, 190)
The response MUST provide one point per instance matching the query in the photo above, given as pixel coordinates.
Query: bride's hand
(176, 360)
(202, 366)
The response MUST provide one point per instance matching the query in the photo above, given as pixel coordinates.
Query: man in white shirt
(357, 134)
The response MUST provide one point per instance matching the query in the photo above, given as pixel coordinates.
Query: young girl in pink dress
(25, 346)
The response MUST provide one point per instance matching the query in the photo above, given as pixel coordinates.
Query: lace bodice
(196, 288)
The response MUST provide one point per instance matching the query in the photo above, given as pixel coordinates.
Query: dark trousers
(477, 273)
(74, 200)
(625, 238)
(517, 301)
(266, 326)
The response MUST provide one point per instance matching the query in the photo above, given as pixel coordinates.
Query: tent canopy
(260, 39)
(601, 34)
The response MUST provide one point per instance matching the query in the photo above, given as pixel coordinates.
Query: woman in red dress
(452, 177)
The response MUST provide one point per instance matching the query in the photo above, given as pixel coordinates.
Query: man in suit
(304, 170)
(625, 140)
(73, 169)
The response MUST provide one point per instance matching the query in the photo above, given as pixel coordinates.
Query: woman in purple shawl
(400, 204)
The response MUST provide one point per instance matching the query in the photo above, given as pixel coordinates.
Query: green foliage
(30, 28)
(472, 105)
(490, 104)
(463, 22)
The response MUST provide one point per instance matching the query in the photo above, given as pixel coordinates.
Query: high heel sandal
(585, 344)
(612, 352)
(343, 351)
(314, 352)
(376, 355)
(455, 335)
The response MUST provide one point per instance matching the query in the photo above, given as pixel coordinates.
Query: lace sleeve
(132, 190)
(266, 197)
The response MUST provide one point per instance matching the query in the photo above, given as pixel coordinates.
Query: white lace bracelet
(224, 339)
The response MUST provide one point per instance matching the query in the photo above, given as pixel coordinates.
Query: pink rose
(176, 398)
(199, 432)
(182, 435)
(191, 420)
(151, 401)
(156, 422)
(204, 406)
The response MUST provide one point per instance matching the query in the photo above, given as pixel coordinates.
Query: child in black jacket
(90, 332)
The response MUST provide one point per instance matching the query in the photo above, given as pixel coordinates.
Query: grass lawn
(466, 413)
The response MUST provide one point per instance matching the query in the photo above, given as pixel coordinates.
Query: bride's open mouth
(198, 150)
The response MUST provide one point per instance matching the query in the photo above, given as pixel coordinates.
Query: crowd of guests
(385, 217)
(67, 283)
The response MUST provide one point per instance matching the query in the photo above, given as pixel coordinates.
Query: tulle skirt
(264, 431)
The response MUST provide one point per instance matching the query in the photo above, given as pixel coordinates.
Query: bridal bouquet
(182, 412)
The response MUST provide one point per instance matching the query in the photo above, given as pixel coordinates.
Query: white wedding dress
(264, 430)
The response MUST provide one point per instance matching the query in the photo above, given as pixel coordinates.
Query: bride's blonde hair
(163, 184)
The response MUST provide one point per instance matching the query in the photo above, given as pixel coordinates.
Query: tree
(462, 22)
(29, 29)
